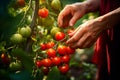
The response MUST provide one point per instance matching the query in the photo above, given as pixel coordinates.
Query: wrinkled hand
(70, 14)
(85, 35)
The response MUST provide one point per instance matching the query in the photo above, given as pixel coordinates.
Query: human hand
(86, 34)
(70, 14)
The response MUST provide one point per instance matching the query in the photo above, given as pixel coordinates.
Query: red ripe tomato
(38, 63)
(45, 70)
(62, 50)
(5, 59)
(70, 50)
(50, 44)
(56, 60)
(47, 62)
(64, 68)
(43, 46)
(65, 59)
(20, 3)
(51, 52)
(59, 36)
(43, 12)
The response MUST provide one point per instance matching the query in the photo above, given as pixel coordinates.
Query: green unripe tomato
(55, 4)
(25, 31)
(16, 38)
(54, 30)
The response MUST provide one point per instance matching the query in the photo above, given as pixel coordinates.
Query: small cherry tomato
(65, 59)
(56, 60)
(38, 63)
(47, 62)
(45, 70)
(70, 50)
(61, 49)
(59, 36)
(43, 12)
(43, 46)
(50, 45)
(51, 52)
(64, 68)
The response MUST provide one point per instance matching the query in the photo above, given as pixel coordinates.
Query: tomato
(47, 62)
(43, 46)
(5, 59)
(50, 44)
(59, 36)
(64, 68)
(38, 63)
(16, 38)
(25, 31)
(65, 59)
(56, 4)
(43, 12)
(56, 60)
(47, 22)
(15, 66)
(45, 70)
(61, 49)
(20, 3)
(70, 50)
(51, 52)
(54, 30)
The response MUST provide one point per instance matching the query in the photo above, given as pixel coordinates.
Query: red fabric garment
(107, 49)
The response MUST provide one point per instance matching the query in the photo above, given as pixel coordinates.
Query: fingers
(71, 34)
(74, 19)
(76, 36)
(63, 13)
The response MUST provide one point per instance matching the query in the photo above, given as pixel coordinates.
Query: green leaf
(54, 74)
(25, 59)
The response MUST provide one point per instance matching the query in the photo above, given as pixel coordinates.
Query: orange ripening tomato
(43, 12)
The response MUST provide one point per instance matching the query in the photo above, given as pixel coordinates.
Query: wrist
(91, 5)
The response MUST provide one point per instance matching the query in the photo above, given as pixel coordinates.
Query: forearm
(110, 19)
(92, 5)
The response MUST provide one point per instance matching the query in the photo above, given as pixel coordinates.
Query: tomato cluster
(59, 56)
(56, 53)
